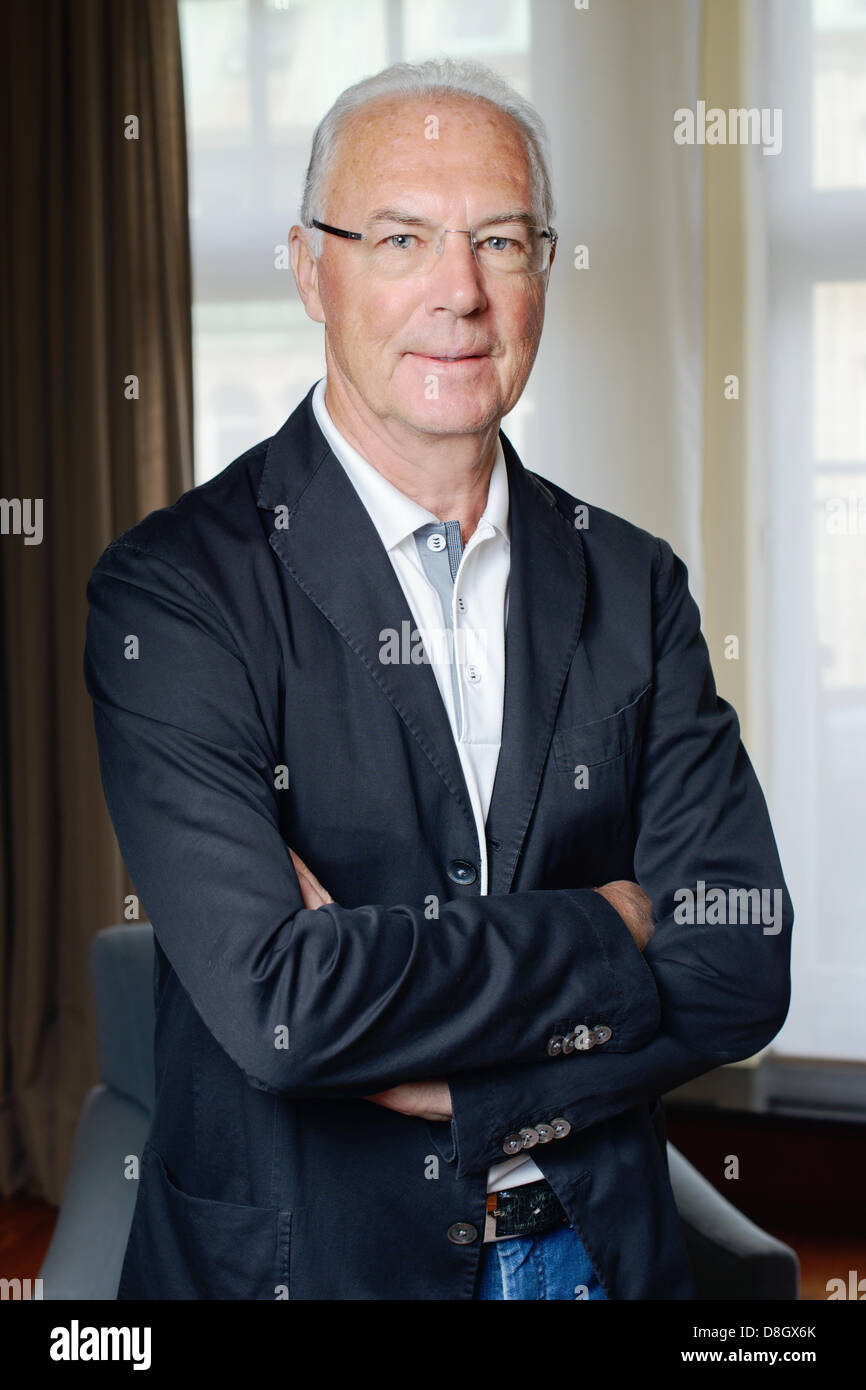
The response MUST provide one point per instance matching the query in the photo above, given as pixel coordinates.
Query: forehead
(385, 153)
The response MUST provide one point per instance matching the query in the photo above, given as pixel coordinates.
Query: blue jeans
(554, 1265)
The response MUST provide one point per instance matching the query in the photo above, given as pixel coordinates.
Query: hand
(633, 906)
(428, 1100)
(312, 892)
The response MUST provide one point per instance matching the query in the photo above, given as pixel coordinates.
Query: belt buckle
(492, 1211)
(490, 1219)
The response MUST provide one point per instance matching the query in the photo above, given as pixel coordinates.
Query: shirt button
(513, 1144)
(545, 1133)
(462, 1233)
(436, 542)
(461, 871)
(561, 1127)
(473, 675)
(529, 1137)
(554, 1046)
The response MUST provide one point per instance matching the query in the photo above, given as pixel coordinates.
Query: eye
(499, 243)
(399, 241)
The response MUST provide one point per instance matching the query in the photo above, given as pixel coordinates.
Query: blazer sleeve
(723, 986)
(364, 997)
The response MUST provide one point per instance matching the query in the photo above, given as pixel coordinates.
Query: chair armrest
(731, 1257)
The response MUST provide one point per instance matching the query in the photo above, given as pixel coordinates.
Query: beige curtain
(94, 258)
(730, 422)
(726, 520)
(617, 388)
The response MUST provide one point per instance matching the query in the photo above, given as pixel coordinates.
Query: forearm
(491, 1106)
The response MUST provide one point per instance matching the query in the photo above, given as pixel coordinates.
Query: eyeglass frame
(464, 231)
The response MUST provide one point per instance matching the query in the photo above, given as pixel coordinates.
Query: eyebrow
(410, 219)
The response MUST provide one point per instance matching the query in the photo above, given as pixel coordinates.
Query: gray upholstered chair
(87, 1248)
(732, 1257)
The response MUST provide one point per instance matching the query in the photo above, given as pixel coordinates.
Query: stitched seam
(169, 564)
(540, 1270)
(272, 506)
(562, 736)
(413, 728)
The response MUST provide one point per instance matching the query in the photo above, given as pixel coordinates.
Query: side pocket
(187, 1247)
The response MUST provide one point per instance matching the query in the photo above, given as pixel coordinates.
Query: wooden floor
(799, 1179)
(26, 1227)
(822, 1260)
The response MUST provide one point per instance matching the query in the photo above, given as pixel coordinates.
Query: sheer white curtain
(612, 410)
(618, 381)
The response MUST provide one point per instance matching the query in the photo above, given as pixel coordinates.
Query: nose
(454, 281)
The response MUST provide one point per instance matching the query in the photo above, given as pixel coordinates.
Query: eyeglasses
(506, 248)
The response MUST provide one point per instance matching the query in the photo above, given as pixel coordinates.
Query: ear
(305, 269)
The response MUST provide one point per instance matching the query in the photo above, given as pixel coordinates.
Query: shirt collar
(395, 515)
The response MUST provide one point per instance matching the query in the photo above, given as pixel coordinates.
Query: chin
(451, 421)
(456, 416)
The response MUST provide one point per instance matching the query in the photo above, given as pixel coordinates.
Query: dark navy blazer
(252, 712)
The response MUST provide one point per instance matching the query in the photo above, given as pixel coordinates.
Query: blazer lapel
(547, 591)
(327, 542)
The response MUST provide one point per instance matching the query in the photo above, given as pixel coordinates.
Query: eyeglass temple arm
(338, 231)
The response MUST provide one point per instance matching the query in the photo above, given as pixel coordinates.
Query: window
(814, 68)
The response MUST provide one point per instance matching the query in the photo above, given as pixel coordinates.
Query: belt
(531, 1209)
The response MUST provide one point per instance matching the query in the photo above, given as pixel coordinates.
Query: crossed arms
(431, 1100)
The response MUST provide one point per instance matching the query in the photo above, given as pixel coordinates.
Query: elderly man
(412, 756)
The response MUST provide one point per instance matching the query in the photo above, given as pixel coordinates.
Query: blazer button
(603, 1033)
(529, 1137)
(554, 1045)
(512, 1145)
(561, 1127)
(545, 1133)
(462, 1233)
(568, 1044)
(461, 871)
(584, 1038)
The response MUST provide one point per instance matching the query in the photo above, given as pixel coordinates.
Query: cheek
(520, 323)
(532, 319)
(366, 321)
(348, 303)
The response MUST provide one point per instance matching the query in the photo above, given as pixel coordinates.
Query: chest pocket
(601, 740)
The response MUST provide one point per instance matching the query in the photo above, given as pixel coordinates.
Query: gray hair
(435, 77)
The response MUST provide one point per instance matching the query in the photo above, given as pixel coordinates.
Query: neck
(447, 474)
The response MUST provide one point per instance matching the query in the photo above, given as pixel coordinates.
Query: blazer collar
(323, 535)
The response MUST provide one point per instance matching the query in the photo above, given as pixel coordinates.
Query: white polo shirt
(473, 689)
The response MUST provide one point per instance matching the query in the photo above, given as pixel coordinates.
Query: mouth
(450, 360)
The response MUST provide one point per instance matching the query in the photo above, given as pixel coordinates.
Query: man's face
(388, 338)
